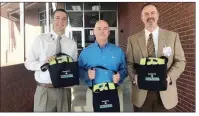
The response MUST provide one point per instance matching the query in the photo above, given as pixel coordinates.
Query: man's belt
(45, 85)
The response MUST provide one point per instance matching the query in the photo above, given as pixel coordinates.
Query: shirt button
(104, 64)
(106, 72)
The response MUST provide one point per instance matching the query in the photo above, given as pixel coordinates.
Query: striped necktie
(150, 46)
(58, 45)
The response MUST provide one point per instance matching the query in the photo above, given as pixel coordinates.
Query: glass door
(78, 37)
(113, 37)
(89, 37)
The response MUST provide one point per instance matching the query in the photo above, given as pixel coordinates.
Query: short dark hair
(147, 4)
(62, 10)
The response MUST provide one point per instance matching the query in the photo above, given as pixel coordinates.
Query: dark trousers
(153, 103)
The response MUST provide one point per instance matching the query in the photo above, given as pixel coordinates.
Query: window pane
(75, 6)
(91, 18)
(89, 37)
(42, 15)
(76, 19)
(43, 25)
(110, 17)
(51, 12)
(77, 35)
(111, 37)
(50, 15)
(94, 6)
(108, 6)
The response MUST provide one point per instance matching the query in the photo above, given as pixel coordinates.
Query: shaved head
(101, 22)
(101, 31)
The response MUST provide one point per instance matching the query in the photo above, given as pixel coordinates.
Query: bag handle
(63, 54)
(45, 66)
(101, 67)
(148, 60)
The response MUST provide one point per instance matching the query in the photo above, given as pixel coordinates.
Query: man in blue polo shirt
(102, 53)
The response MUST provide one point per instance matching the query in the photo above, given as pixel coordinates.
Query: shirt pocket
(114, 62)
(49, 48)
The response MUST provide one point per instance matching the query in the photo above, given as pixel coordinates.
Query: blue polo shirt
(109, 56)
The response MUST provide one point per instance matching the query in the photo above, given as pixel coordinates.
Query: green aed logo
(152, 78)
(66, 74)
(105, 104)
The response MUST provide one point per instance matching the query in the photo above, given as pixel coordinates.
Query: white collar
(155, 31)
(55, 35)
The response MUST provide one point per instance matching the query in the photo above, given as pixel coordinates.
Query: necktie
(150, 46)
(58, 45)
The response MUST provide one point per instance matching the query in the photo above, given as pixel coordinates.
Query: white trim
(47, 17)
(22, 26)
(54, 4)
(117, 32)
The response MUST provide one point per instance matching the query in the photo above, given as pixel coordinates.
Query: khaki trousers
(52, 99)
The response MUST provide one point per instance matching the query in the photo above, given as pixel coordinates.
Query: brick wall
(17, 89)
(178, 17)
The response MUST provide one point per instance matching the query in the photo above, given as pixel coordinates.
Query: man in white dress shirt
(47, 98)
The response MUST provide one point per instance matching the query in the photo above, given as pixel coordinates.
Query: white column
(54, 5)
(22, 19)
(47, 17)
(22, 26)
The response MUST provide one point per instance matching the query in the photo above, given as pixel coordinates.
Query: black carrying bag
(64, 72)
(105, 96)
(152, 74)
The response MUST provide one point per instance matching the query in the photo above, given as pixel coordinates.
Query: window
(42, 20)
(76, 19)
(91, 6)
(110, 17)
(84, 15)
(89, 37)
(91, 18)
(74, 6)
(108, 6)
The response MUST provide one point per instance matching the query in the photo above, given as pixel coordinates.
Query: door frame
(116, 35)
(82, 31)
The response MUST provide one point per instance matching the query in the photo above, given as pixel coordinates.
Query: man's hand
(116, 78)
(49, 58)
(169, 80)
(91, 74)
(135, 81)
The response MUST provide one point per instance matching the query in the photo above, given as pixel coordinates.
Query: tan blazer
(136, 49)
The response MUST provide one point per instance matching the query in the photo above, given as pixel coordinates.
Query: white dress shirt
(155, 38)
(44, 46)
